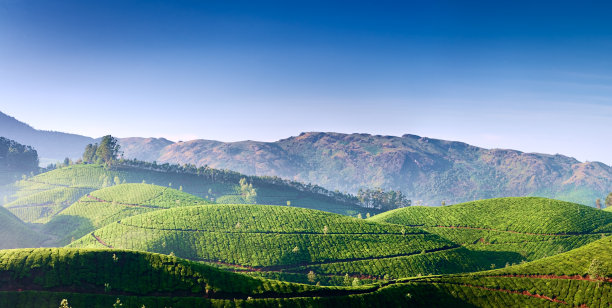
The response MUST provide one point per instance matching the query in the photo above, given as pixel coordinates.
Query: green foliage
(247, 191)
(271, 237)
(15, 157)
(58, 188)
(531, 227)
(108, 205)
(574, 262)
(609, 201)
(523, 214)
(382, 200)
(106, 152)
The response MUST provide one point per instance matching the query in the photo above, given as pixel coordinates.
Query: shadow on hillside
(63, 229)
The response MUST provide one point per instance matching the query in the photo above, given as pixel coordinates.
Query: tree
(312, 276)
(89, 156)
(597, 270)
(64, 304)
(107, 150)
(609, 200)
(347, 280)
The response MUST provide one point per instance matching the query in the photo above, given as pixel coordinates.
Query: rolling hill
(579, 278)
(424, 169)
(103, 278)
(269, 239)
(38, 198)
(14, 233)
(530, 227)
(111, 204)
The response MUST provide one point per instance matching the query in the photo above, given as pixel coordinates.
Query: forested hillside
(430, 170)
(16, 160)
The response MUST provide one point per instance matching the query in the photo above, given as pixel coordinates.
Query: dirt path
(513, 232)
(125, 204)
(565, 277)
(265, 232)
(101, 241)
(526, 293)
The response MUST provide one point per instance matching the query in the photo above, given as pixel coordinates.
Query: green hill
(101, 278)
(14, 233)
(295, 240)
(38, 198)
(579, 278)
(529, 227)
(111, 204)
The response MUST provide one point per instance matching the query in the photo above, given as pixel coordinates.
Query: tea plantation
(103, 278)
(108, 205)
(36, 199)
(530, 228)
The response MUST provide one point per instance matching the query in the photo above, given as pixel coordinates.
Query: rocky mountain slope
(427, 170)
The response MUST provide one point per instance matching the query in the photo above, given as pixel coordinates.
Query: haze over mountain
(50, 145)
(425, 169)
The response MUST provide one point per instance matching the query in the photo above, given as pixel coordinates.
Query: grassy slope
(42, 196)
(110, 204)
(287, 238)
(526, 228)
(97, 278)
(14, 233)
(562, 280)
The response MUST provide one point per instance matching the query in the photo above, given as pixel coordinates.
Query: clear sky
(530, 75)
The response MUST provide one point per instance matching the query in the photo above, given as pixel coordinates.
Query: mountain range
(429, 171)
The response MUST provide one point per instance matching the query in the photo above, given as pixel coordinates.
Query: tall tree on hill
(107, 150)
(609, 200)
(89, 156)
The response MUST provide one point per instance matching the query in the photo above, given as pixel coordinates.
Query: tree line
(16, 157)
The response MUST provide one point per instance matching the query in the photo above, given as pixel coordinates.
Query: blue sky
(530, 75)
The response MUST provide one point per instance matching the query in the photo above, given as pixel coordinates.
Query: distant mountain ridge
(426, 169)
(50, 145)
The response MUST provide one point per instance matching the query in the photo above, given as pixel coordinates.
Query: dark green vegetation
(15, 160)
(98, 278)
(523, 229)
(15, 233)
(104, 153)
(422, 168)
(579, 278)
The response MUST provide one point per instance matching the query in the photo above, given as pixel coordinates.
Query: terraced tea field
(111, 204)
(529, 227)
